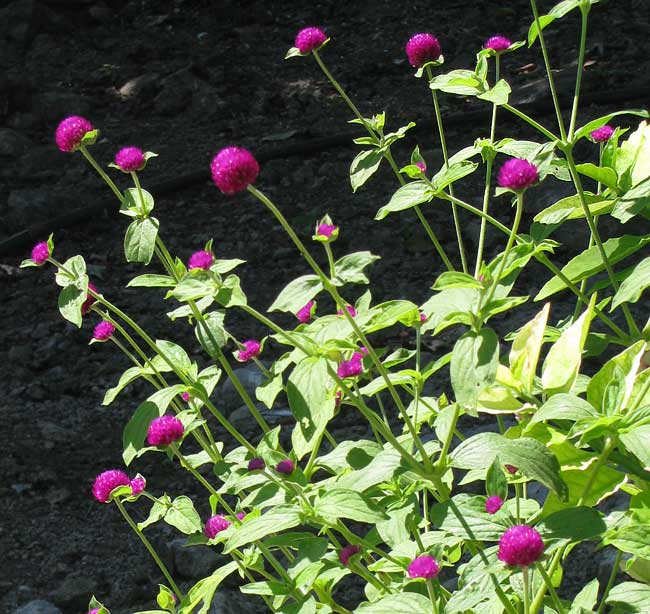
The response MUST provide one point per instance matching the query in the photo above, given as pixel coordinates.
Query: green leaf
(632, 538)
(571, 208)
(407, 196)
(564, 406)
(175, 354)
(636, 442)
(140, 240)
(157, 512)
(311, 403)
(452, 173)
(349, 455)
(203, 590)
(574, 524)
(135, 431)
(364, 166)
(75, 273)
(297, 294)
(225, 266)
(633, 285)
(562, 364)
(525, 350)
(349, 269)
(211, 333)
(441, 308)
(603, 174)
(456, 279)
(533, 31)
(183, 516)
(474, 363)
(401, 603)
(152, 281)
(133, 206)
(130, 375)
(495, 480)
(273, 521)
(589, 262)
(465, 516)
(497, 95)
(461, 82)
(586, 599)
(386, 314)
(629, 598)
(594, 124)
(344, 503)
(381, 468)
(71, 298)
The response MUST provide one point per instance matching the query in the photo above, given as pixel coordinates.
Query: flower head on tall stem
(602, 134)
(103, 331)
(351, 367)
(517, 174)
(130, 159)
(138, 484)
(307, 312)
(423, 567)
(309, 39)
(71, 131)
(493, 504)
(520, 545)
(234, 169)
(251, 349)
(497, 43)
(422, 48)
(200, 260)
(285, 466)
(40, 252)
(164, 430)
(107, 481)
(215, 525)
(327, 231)
(256, 464)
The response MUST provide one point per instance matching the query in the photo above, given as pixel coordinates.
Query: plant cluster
(395, 512)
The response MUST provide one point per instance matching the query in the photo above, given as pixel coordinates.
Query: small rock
(38, 606)
(194, 562)
(74, 593)
(143, 85)
(250, 378)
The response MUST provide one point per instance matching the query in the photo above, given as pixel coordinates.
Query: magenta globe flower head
(130, 159)
(309, 39)
(602, 134)
(511, 469)
(234, 169)
(347, 552)
(422, 48)
(328, 231)
(40, 252)
(71, 131)
(138, 484)
(107, 481)
(251, 349)
(285, 466)
(200, 260)
(497, 43)
(306, 313)
(423, 567)
(352, 367)
(215, 525)
(240, 515)
(103, 331)
(422, 166)
(88, 303)
(164, 430)
(256, 464)
(493, 504)
(520, 545)
(517, 174)
(185, 396)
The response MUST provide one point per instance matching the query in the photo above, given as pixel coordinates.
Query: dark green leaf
(135, 431)
(140, 240)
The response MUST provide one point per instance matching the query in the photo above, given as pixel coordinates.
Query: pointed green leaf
(297, 294)
(364, 166)
(409, 195)
(140, 240)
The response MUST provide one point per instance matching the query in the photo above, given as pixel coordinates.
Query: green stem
(549, 73)
(518, 502)
(442, 459)
(101, 172)
(443, 146)
(529, 120)
(610, 581)
(150, 548)
(432, 596)
(524, 571)
(136, 181)
(551, 588)
(584, 12)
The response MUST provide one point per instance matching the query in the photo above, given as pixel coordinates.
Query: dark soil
(184, 79)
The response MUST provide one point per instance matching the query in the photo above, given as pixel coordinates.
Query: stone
(228, 398)
(12, 143)
(146, 85)
(74, 593)
(38, 606)
(194, 562)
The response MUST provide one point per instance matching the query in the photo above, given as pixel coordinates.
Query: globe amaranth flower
(71, 131)
(422, 166)
(185, 396)
(309, 39)
(200, 260)
(40, 252)
(138, 484)
(88, 303)
(285, 466)
(107, 481)
(326, 230)
(520, 545)
(493, 504)
(497, 43)
(240, 515)
(256, 464)
(517, 174)
(215, 525)
(251, 349)
(94, 611)
(234, 169)
(350, 309)
(423, 317)
(347, 552)
(511, 469)
(164, 430)
(306, 312)
(337, 398)
(352, 367)
(423, 567)
(103, 331)
(422, 48)
(602, 134)
(130, 159)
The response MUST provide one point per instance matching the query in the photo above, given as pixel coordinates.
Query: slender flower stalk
(584, 13)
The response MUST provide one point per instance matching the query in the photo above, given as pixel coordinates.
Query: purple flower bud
(422, 166)
(107, 481)
(103, 331)
(351, 310)
(422, 48)
(309, 39)
(240, 515)
(185, 396)
(423, 567)
(138, 485)
(71, 131)
(352, 367)
(88, 303)
(40, 252)
(200, 260)
(130, 159)
(164, 430)
(602, 134)
(214, 525)
(497, 43)
(517, 175)
(347, 552)
(256, 464)
(326, 230)
(493, 504)
(234, 169)
(251, 349)
(285, 466)
(511, 469)
(306, 312)
(520, 545)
